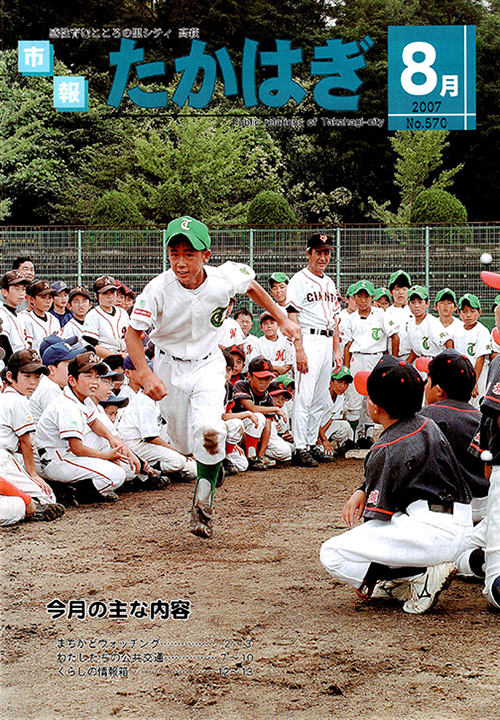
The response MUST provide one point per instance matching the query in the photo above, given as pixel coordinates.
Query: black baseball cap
(454, 374)
(80, 290)
(320, 241)
(394, 385)
(260, 367)
(236, 350)
(279, 388)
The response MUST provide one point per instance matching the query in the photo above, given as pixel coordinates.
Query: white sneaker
(269, 462)
(392, 590)
(426, 588)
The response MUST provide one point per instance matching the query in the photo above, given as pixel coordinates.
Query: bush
(270, 209)
(438, 206)
(118, 209)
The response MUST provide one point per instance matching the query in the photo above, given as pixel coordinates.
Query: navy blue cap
(58, 352)
(120, 401)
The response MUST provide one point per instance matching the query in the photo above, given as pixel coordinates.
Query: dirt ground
(269, 634)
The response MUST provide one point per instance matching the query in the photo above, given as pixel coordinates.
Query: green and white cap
(343, 374)
(399, 275)
(383, 292)
(365, 285)
(446, 293)
(278, 277)
(194, 230)
(469, 299)
(418, 290)
(350, 290)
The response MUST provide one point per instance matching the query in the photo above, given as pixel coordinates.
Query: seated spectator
(277, 348)
(105, 325)
(79, 303)
(13, 289)
(38, 323)
(59, 307)
(250, 344)
(334, 426)
(17, 463)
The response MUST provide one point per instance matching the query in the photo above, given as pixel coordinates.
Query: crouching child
(414, 502)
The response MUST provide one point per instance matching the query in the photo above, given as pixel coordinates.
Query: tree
(269, 208)
(420, 155)
(438, 206)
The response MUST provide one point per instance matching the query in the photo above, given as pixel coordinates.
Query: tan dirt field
(269, 635)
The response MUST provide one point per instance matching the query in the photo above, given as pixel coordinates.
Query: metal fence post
(79, 259)
(164, 260)
(338, 260)
(427, 250)
(250, 249)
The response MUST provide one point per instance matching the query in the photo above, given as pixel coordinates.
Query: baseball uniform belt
(178, 359)
(315, 331)
(447, 509)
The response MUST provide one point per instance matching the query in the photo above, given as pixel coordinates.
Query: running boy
(186, 306)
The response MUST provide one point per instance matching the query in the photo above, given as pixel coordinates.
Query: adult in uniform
(312, 301)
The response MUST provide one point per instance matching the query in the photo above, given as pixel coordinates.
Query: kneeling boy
(413, 499)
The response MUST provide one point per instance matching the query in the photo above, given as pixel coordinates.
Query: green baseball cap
(343, 374)
(350, 290)
(278, 277)
(286, 380)
(383, 292)
(469, 299)
(442, 295)
(365, 285)
(194, 230)
(399, 275)
(418, 290)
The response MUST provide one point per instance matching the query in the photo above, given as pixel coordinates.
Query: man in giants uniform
(312, 300)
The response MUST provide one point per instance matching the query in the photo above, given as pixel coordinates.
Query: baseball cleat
(426, 588)
(229, 467)
(48, 511)
(319, 455)
(303, 458)
(111, 497)
(343, 449)
(201, 521)
(494, 594)
(269, 462)
(365, 443)
(257, 463)
(392, 590)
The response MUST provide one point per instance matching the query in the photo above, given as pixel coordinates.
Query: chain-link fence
(434, 256)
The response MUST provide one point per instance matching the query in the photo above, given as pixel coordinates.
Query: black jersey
(412, 460)
(459, 422)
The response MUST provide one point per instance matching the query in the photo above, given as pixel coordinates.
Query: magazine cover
(249, 279)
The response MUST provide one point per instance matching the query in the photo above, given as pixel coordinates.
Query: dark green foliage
(438, 206)
(269, 208)
(117, 209)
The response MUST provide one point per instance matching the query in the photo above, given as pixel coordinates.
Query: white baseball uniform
(13, 328)
(400, 317)
(231, 333)
(428, 338)
(368, 337)
(108, 329)
(73, 327)
(473, 344)
(16, 421)
(186, 332)
(66, 418)
(339, 429)
(279, 351)
(37, 328)
(251, 348)
(455, 330)
(141, 421)
(315, 299)
(46, 392)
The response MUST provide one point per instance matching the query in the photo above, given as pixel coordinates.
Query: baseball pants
(96, 442)
(356, 404)
(339, 431)
(65, 467)
(311, 390)
(12, 509)
(170, 460)
(235, 433)
(417, 538)
(492, 539)
(13, 470)
(194, 405)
